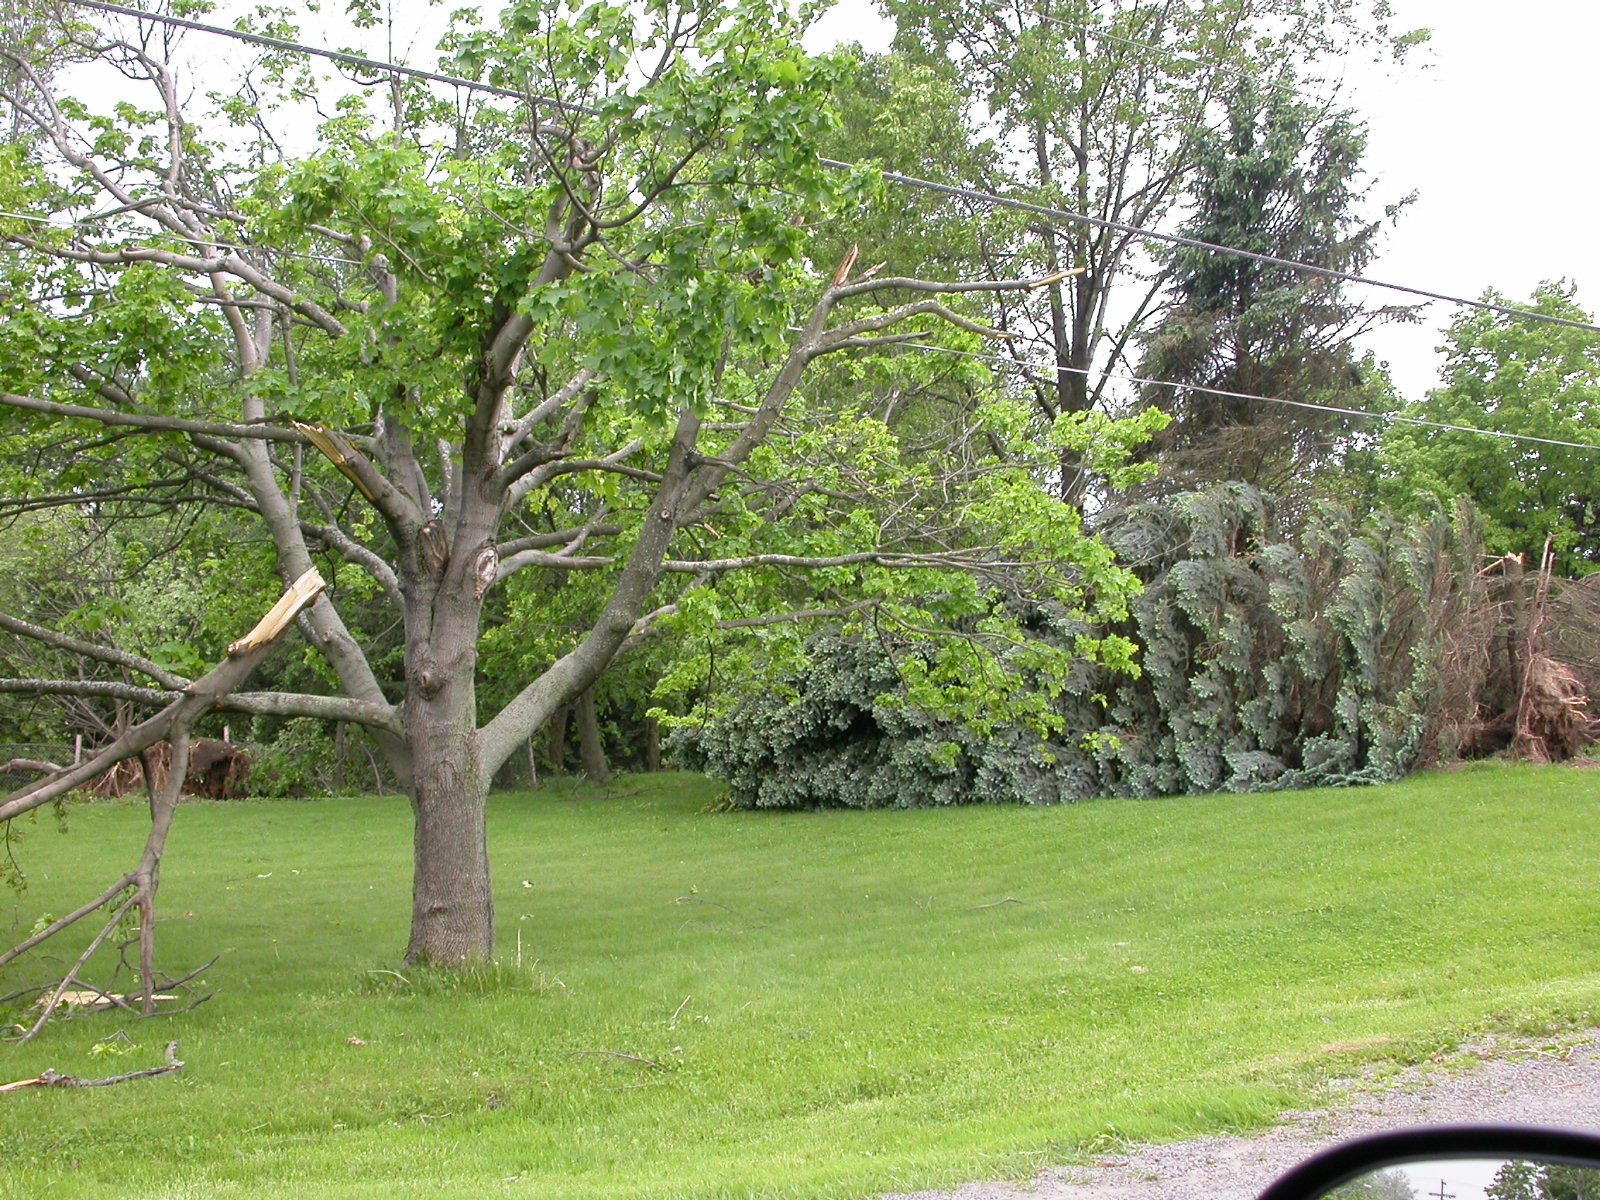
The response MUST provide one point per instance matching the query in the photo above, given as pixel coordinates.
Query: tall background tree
(1103, 110)
(1515, 378)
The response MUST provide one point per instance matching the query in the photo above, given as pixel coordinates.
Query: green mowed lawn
(700, 1004)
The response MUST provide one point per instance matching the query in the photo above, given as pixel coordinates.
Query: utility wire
(971, 194)
(338, 56)
(1041, 371)
(1177, 239)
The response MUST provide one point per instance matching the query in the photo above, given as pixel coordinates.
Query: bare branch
(542, 412)
(326, 708)
(71, 918)
(539, 558)
(835, 339)
(268, 433)
(966, 558)
(353, 552)
(86, 687)
(560, 537)
(273, 704)
(106, 654)
(51, 1079)
(901, 283)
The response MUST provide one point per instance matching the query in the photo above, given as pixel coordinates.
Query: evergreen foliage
(1282, 177)
(1269, 661)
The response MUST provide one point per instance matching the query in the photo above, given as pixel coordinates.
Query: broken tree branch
(71, 918)
(71, 977)
(51, 1079)
(173, 724)
(192, 703)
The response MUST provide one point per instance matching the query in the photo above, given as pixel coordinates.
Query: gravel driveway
(1526, 1086)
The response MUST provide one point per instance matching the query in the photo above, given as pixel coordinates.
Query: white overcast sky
(1493, 125)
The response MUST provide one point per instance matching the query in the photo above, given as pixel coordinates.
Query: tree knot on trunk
(433, 548)
(427, 677)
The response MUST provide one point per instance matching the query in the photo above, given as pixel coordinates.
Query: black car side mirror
(1451, 1162)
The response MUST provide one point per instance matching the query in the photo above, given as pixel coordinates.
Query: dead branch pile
(1553, 721)
(1520, 666)
(1553, 718)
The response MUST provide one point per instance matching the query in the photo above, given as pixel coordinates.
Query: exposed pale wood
(335, 451)
(282, 614)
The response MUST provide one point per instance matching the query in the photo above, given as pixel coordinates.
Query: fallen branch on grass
(51, 1079)
(633, 1058)
(135, 893)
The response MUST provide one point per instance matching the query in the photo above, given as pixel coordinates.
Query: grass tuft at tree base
(695, 1004)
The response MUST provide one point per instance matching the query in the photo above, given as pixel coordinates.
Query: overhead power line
(912, 181)
(970, 194)
(1039, 370)
(1178, 239)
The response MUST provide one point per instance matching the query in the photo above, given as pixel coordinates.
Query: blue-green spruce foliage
(1268, 661)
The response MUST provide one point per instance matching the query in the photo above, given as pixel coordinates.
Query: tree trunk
(652, 745)
(558, 741)
(591, 747)
(452, 906)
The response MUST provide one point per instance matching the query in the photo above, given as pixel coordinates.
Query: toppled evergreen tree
(1269, 661)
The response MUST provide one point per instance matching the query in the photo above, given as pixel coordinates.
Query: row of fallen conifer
(1327, 652)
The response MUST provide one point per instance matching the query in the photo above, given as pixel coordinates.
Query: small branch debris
(712, 903)
(673, 1023)
(633, 1058)
(51, 1079)
(996, 904)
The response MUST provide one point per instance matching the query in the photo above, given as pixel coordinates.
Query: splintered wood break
(92, 1001)
(336, 452)
(289, 606)
(1058, 277)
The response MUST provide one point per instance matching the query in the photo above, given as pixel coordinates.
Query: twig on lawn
(713, 903)
(633, 1058)
(194, 974)
(51, 1079)
(996, 904)
(678, 1012)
